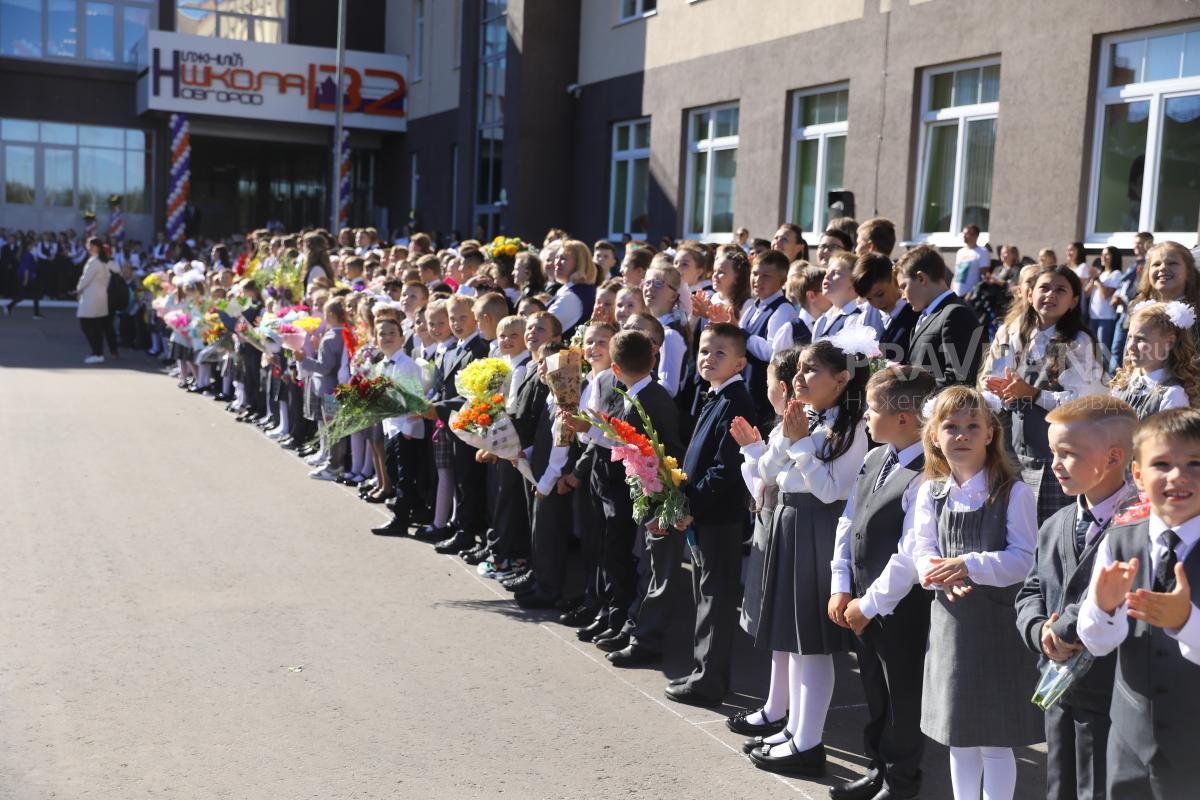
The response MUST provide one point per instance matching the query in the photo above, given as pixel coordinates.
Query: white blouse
(1172, 396)
(794, 466)
(994, 568)
(1084, 374)
(670, 360)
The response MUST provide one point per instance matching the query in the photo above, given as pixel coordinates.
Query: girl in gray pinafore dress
(780, 373)
(1159, 371)
(978, 676)
(814, 474)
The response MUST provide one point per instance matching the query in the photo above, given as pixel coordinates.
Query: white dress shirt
(670, 360)
(991, 568)
(898, 577)
(887, 316)
(794, 466)
(761, 346)
(519, 366)
(1172, 396)
(1102, 512)
(558, 456)
(1101, 633)
(567, 306)
(597, 435)
(401, 366)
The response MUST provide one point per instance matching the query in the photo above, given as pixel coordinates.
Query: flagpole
(335, 185)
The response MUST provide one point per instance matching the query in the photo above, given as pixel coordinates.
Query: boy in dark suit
(947, 341)
(1091, 438)
(718, 506)
(1142, 603)
(875, 282)
(470, 520)
(875, 589)
(633, 362)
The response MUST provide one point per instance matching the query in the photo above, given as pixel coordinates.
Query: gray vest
(1156, 702)
(983, 530)
(1146, 402)
(878, 517)
(1030, 430)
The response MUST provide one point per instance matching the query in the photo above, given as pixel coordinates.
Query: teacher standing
(92, 291)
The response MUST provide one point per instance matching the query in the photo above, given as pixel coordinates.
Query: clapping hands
(702, 306)
(743, 432)
(1010, 388)
(795, 421)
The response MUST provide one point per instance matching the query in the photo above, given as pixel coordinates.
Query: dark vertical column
(468, 92)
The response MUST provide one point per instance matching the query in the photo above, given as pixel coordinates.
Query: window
(489, 141)
(418, 47)
(248, 20)
(957, 146)
(1145, 171)
(101, 32)
(630, 180)
(818, 154)
(636, 9)
(74, 166)
(414, 179)
(711, 171)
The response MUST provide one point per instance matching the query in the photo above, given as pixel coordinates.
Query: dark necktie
(1164, 576)
(1082, 524)
(893, 460)
(815, 418)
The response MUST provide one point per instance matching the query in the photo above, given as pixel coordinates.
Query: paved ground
(187, 615)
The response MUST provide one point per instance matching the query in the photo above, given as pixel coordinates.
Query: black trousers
(93, 331)
(28, 291)
(589, 525)
(110, 332)
(1130, 779)
(1076, 753)
(405, 463)
(658, 558)
(510, 532)
(620, 563)
(716, 587)
(470, 510)
(891, 663)
(551, 527)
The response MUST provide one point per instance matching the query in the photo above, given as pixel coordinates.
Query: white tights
(445, 497)
(995, 766)
(810, 690)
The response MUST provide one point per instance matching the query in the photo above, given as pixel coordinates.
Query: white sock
(810, 686)
(777, 693)
(445, 497)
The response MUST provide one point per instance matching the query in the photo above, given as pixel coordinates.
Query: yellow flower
(307, 324)
(510, 250)
(670, 462)
(483, 377)
(498, 240)
(678, 476)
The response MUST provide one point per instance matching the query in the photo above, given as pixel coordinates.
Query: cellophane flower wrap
(564, 376)
(655, 479)
(482, 422)
(365, 359)
(371, 397)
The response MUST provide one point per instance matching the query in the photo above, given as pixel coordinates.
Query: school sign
(280, 82)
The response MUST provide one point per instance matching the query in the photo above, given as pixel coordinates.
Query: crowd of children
(958, 509)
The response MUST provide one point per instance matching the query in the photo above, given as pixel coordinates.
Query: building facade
(1041, 123)
(78, 123)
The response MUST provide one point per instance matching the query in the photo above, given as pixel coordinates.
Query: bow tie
(815, 418)
(1140, 385)
(709, 397)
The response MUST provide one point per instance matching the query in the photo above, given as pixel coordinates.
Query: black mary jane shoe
(756, 743)
(738, 724)
(809, 763)
(376, 498)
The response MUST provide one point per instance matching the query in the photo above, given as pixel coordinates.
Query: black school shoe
(809, 763)
(738, 724)
(578, 616)
(478, 553)
(685, 693)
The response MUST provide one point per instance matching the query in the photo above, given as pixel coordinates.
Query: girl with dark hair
(1099, 285)
(814, 462)
(1051, 358)
(28, 284)
(316, 260)
(92, 291)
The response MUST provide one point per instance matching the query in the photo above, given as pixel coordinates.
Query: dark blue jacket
(716, 492)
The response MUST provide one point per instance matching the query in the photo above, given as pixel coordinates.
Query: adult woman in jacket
(92, 291)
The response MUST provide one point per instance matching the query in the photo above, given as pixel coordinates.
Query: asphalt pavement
(186, 614)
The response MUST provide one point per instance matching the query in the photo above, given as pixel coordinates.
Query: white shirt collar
(834, 312)
(766, 301)
(398, 356)
(734, 379)
(975, 484)
(637, 387)
(831, 415)
(1102, 512)
(908, 454)
(464, 342)
(901, 304)
(1157, 375)
(806, 317)
(517, 360)
(937, 301)
(1188, 532)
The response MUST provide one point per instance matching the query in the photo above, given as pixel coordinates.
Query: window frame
(821, 132)
(640, 11)
(710, 146)
(630, 155)
(118, 21)
(962, 116)
(418, 48)
(249, 18)
(1156, 93)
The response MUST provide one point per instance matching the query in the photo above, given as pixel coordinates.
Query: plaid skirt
(1046, 488)
(443, 449)
(181, 352)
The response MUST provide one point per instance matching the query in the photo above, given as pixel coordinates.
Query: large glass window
(636, 9)
(75, 166)
(959, 106)
(711, 172)
(248, 20)
(489, 140)
(418, 46)
(630, 182)
(106, 32)
(818, 154)
(1145, 167)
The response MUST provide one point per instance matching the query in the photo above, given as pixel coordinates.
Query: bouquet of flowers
(292, 337)
(365, 358)
(564, 376)
(655, 479)
(502, 247)
(371, 398)
(482, 422)
(256, 338)
(178, 321)
(153, 283)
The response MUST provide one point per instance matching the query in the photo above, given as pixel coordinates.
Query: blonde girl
(974, 532)
(1159, 369)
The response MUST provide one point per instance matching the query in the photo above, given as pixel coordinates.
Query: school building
(1041, 121)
